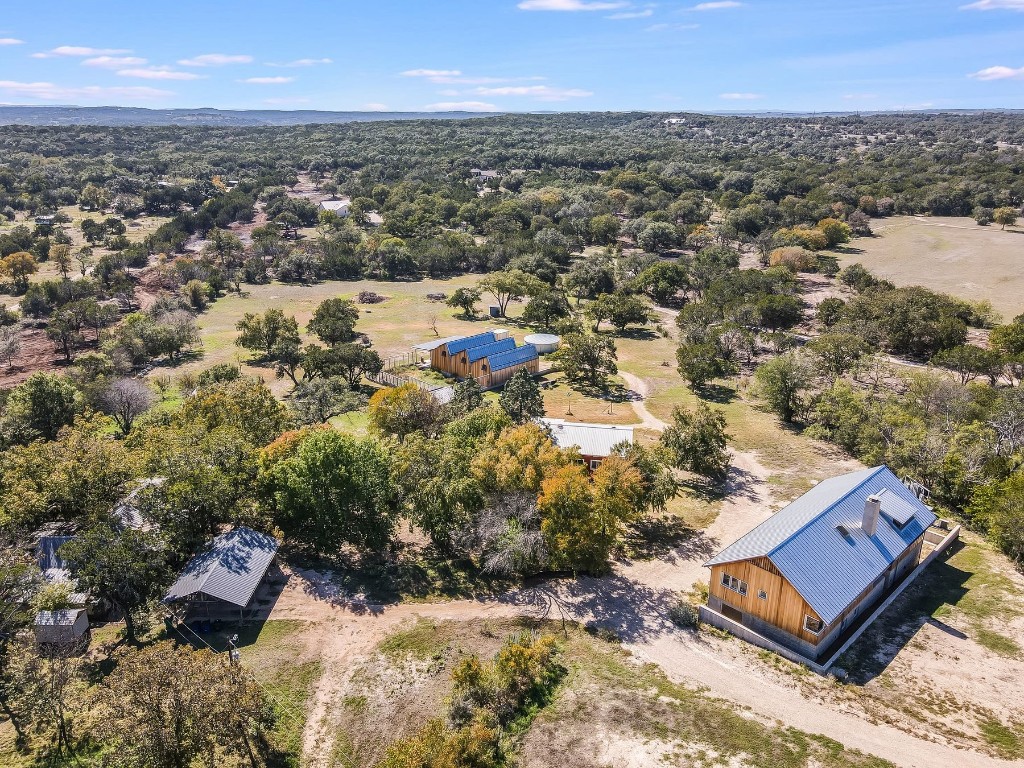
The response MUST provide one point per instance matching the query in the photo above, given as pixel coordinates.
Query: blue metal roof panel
(517, 356)
(461, 345)
(486, 350)
(830, 569)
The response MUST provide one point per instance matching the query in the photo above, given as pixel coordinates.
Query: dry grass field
(952, 255)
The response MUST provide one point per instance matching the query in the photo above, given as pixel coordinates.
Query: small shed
(62, 629)
(227, 573)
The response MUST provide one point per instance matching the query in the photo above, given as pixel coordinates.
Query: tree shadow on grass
(668, 539)
(637, 334)
(717, 393)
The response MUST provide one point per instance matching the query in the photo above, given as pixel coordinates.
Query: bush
(793, 258)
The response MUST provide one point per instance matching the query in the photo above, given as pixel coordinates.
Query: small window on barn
(813, 625)
(762, 595)
(594, 464)
(731, 582)
(483, 367)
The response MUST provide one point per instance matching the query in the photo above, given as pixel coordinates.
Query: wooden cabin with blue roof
(804, 576)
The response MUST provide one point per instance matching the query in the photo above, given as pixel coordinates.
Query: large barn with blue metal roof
(490, 357)
(804, 576)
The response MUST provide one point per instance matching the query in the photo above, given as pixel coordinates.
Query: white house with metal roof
(594, 441)
(804, 576)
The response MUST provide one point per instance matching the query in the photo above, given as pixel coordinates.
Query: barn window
(762, 595)
(813, 624)
(736, 585)
(594, 464)
(484, 367)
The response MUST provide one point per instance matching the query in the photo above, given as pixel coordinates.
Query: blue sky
(520, 55)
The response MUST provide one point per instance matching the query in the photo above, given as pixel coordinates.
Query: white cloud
(374, 106)
(11, 41)
(158, 73)
(215, 60)
(113, 62)
(302, 63)
(570, 5)
(994, 5)
(671, 27)
(740, 96)
(540, 92)
(267, 80)
(860, 96)
(999, 73)
(52, 92)
(431, 73)
(79, 50)
(461, 106)
(632, 15)
(718, 5)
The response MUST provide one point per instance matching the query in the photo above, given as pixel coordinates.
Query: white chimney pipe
(872, 508)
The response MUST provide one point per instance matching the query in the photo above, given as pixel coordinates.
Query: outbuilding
(227, 573)
(337, 207)
(68, 628)
(594, 441)
(804, 576)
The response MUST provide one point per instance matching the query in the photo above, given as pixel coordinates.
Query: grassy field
(610, 709)
(953, 255)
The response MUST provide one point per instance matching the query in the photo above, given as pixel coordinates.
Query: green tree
(17, 267)
(332, 489)
(353, 361)
(836, 232)
(696, 441)
(168, 706)
(1001, 506)
(781, 383)
(587, 357)
(510, 285)
(38, 408)
(838, 353)
(261, 333)
(125, 568)
(464, 299)
(658, 236)
(700, 363)
(334, 321)
(545, 307)
(405, 409)
(967, 361)
(521, 398)
(317, 401)
(1005, 217)
(244, 404)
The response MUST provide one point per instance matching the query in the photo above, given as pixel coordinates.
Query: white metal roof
(591, 439)
(336, 205)
(430, 346)
(66, 617)
(230, 569)
(828, 568)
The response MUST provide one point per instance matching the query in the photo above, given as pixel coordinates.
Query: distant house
(62, 629)
(227, 573)
(337, 207)
(594, 441)
(45, 221)
(804, 576)
(484, 176)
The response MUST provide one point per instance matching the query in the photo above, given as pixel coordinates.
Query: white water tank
(544, 342)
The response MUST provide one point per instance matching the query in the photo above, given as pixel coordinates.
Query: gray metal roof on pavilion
(819, 546)
(229, 569)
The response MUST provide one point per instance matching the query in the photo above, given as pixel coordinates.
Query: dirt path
(647, 419)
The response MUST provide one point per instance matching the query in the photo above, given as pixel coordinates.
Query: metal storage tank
(544, 342)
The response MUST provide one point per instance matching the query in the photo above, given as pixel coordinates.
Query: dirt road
(634, 601)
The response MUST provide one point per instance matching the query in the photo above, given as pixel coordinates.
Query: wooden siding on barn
(783, 607)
